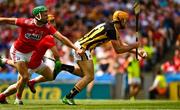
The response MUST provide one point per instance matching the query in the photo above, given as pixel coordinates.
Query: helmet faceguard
(37, 13)
(120, 17)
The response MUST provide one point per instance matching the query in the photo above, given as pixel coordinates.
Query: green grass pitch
(94, 105)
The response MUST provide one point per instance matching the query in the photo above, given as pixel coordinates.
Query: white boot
(18, 101)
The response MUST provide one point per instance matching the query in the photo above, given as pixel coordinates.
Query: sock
(33, 81)
(18, 96)
(88, 95)
(73, 93)
(2, 96)
(57, 68)
(68, 68)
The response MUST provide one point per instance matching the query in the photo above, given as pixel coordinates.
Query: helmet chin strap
(39, 19)
(120, 24)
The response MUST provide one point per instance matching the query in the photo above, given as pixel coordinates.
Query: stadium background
(159, 28)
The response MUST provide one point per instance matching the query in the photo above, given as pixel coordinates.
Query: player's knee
(50, 78)
(25, 78)
(90, 77)
(13, 87)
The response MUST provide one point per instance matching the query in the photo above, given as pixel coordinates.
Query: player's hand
(137, 44)
(142, 53)
(80, 51)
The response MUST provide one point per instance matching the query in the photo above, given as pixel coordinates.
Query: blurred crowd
(173, 65)
(159, 28)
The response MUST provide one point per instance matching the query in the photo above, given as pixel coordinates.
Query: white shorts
(38, 70)
(17, 56)
(77, 56)
(134, 81)
(50, 63)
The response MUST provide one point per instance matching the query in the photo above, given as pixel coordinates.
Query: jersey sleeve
(51, 28)
(111, 31)
(20, 21)
(156, 82)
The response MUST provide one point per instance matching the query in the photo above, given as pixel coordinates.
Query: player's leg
(136, 90)
(135, 87)
(21, 66)
(43, 69)
(12, 89)
(58, 67)
(42, 78)
(23, 72)
(87, 69)
(30, 84)
(45, 74)
(131, 92)
(89, 89)
(86, 72)
(153, 93)
(75, 70)
(9, 91)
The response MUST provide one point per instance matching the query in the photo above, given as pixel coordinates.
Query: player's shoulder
(48, 25)
(26, 20)
(107, 25)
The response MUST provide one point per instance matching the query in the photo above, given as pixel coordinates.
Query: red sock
(2, 96)
(18, 96)
(33, 81)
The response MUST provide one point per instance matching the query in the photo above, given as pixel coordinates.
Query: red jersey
(31, 34)
(38, 54)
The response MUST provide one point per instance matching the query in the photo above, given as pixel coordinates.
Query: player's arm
(8, 20)
(67, 42)
(119, 46)
(122, 47)
(64, 40)
(55, 52)
(142, 53)
(155, 84)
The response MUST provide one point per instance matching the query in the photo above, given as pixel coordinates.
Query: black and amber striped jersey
(101, 34)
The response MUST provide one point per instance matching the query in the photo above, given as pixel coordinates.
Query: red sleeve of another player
(50, 41)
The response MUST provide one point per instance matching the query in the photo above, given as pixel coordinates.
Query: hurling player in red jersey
(33, 30)
(36, 65)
